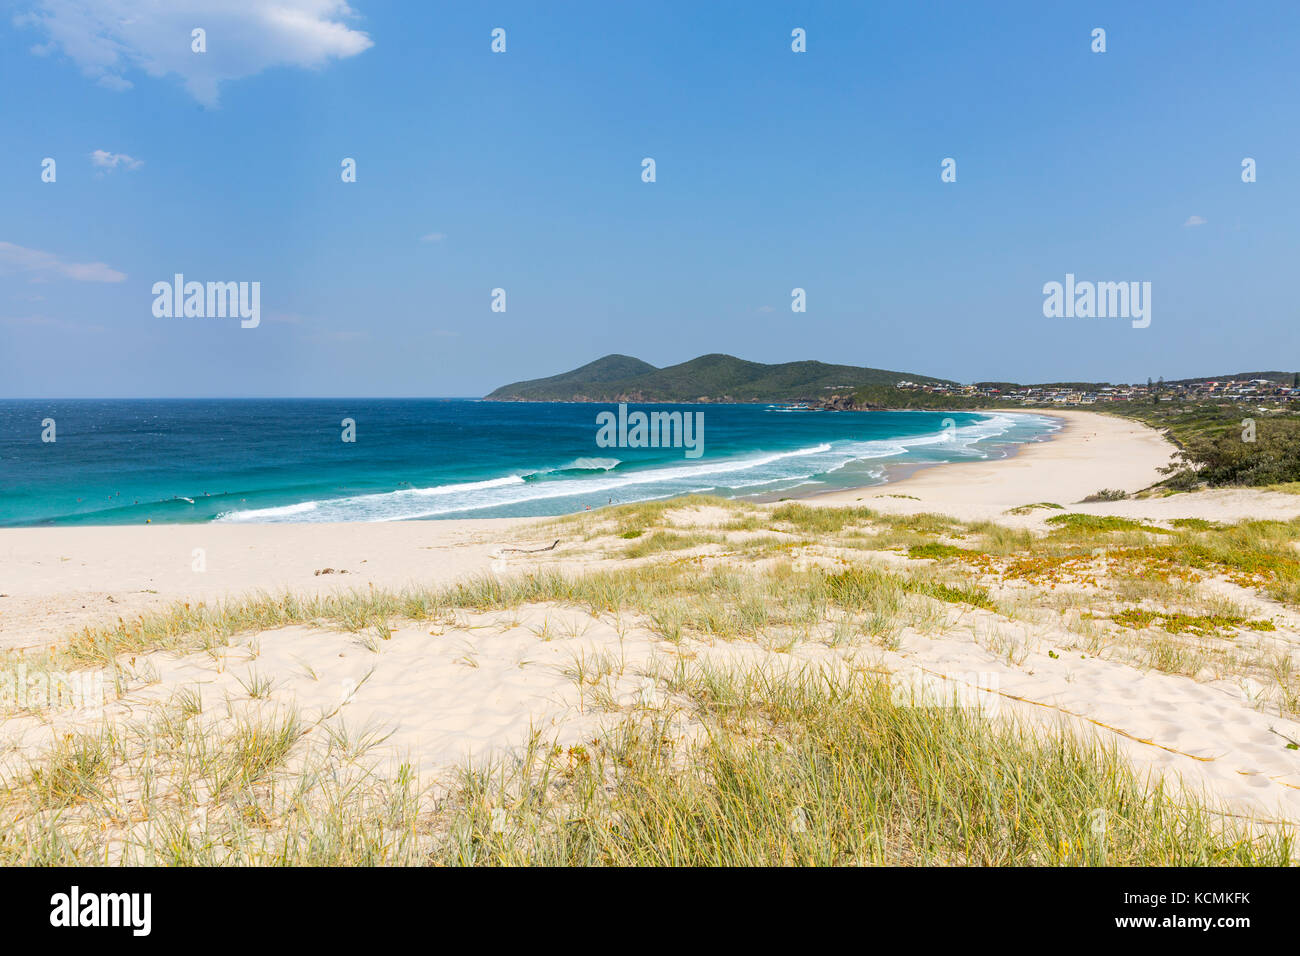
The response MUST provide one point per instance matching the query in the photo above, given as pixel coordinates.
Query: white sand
(1091, 452)
(479, 686)
(478, 690)
(57, 580)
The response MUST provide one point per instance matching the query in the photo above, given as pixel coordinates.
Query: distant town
(1233, 390)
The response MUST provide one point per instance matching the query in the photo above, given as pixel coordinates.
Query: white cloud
(433, 237)
(44, 265)
(108, 39)
(106, 160)
(1194, 221)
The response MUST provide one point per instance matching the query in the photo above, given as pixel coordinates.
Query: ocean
(277, 460)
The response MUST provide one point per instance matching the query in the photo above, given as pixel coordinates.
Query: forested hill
(709, 378)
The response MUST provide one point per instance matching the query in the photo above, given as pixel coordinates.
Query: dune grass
(724, 602)
(1083, 522)
(1031, 508)
(806, 767)
(752, 588)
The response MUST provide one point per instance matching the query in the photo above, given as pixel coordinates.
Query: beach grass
(742, 767)
(777, 574)
(806, 769)
(802, 767)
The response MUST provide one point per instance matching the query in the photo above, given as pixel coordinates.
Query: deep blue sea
(253, 460)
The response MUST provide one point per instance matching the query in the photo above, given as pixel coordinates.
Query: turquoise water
(125, 462)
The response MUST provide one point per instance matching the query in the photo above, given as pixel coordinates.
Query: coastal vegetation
(1222, 442)
(800, 751)
(709, 378)
(795, 769)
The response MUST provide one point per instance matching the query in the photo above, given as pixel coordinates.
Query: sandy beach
(647, 437)
(56, 580)
(1091, 452)
(478, 684)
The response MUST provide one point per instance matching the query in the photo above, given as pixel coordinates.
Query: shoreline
(894, 471)
(1088, 453)
(477, 682)
(56, 580)
(901, 471)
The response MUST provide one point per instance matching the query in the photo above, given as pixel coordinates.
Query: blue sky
(522, 171)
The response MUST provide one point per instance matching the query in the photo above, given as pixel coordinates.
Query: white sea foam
(271, 514)
(458, 488)
(513, 494)
(591, 464)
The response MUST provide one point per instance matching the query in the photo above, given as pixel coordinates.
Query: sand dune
(56, 580)
(481, 684)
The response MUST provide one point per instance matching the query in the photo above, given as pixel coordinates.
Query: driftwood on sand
(549, 547)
